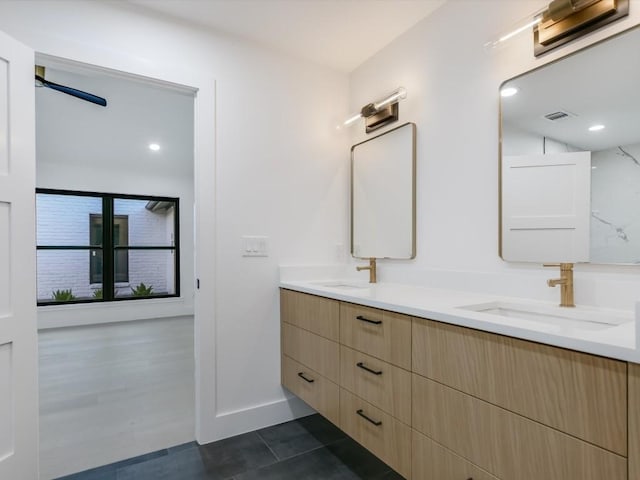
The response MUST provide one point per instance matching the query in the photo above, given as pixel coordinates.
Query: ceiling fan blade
(89, 97)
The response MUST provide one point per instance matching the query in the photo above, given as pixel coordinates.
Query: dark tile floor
(310, 448)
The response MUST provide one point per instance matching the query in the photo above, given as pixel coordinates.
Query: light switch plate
(255, 246)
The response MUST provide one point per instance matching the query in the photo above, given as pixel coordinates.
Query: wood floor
(112, 392)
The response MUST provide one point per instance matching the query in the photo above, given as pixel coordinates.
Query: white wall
(84, 147)
(281, 170)
(452, 84)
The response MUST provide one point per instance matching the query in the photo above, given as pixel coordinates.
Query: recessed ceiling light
(154, 147)
(508, 92)
(596, 128)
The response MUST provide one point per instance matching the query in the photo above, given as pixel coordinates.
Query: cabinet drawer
(312, 350)
(580, 394)
(384, 385)
(381, 334)
(434, 462)
(505, 444)
(319, 392)
(384, 436)
(316, 314)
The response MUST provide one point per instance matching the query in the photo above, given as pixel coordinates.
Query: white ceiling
(337, 33)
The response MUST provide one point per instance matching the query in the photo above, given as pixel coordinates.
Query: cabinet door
(577, 393)
(507, 445)
(434, 462)
(316, 314)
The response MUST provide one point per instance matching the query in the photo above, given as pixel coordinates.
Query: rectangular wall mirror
(570, 158)
(383, 195)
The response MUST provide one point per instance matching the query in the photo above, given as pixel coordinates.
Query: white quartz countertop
(616, 341)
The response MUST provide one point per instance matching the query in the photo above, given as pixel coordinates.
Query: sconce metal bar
(380, 113)
(566, 20)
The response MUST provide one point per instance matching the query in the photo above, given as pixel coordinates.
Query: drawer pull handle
(364, 367)
(361, 413)
(363, 319)
(308, 380)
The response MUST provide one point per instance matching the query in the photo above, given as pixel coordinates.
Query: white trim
(257, 417)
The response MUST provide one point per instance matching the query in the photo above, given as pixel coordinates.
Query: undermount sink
(584, 318)
(343, 285)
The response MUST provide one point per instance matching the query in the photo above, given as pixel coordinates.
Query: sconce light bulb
(521, 29)
(399, 94)
(352, 118)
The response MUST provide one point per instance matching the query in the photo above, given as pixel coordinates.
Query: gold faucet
(372, 270)
(565, 281)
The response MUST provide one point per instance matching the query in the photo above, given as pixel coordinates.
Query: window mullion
(108, 279)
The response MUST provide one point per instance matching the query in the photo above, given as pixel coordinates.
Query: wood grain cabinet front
(507, 445)
(312, 351)
(381, 334)
(384, 385)
(634, 421)
(386, 437)
(577, 393)
(432, 461)
(319, 392)
(310, 312)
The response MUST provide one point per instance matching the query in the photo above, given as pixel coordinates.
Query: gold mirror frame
(413, 193)
(500, 133)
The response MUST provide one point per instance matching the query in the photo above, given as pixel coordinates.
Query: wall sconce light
(565, 20)
(380, 113)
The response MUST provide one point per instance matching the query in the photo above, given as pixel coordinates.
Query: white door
(18, 332)
(546, 207)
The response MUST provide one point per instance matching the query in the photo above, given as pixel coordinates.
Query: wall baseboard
(78, 315)
(228, 424)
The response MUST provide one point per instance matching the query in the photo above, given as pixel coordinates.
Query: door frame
(204, 89)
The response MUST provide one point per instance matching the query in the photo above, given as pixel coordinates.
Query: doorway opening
(115, 264)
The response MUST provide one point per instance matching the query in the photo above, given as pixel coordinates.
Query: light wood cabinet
(384, 385)
(443, 402)
(312, 350)
(378, 333)
(634, 421)
(432, 461)
(580, 394)
(319, 392)
(505, 444)
(316, 314)
(388, 438)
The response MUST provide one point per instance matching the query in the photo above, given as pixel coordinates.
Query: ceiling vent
(559, 115)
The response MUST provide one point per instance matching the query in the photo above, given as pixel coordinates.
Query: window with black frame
(96, 247)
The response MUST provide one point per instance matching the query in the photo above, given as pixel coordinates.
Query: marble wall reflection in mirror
(383, 195)
(570, 162)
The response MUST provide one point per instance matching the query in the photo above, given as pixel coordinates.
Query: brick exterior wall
(65, 220)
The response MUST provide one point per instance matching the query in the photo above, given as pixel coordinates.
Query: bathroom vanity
(436, 399)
